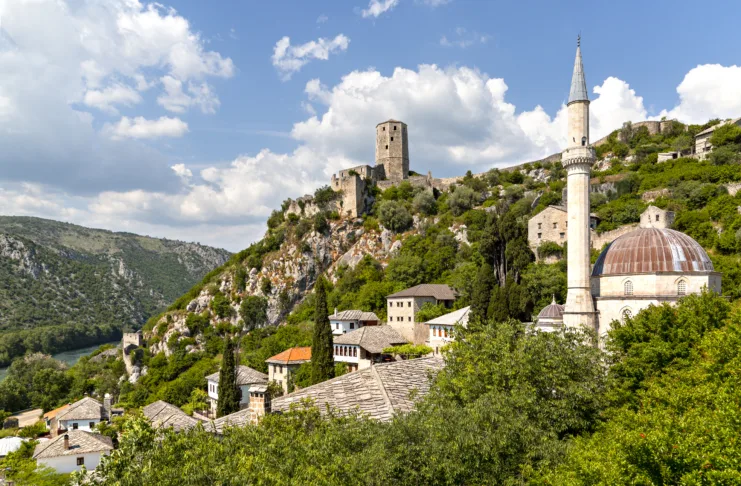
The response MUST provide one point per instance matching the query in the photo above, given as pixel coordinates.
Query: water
(67, 357)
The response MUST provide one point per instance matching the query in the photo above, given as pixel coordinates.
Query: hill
(57, 274)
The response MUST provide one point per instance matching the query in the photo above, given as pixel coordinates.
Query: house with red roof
(283, 365)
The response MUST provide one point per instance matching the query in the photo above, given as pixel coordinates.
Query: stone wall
(599, 240)
(651, 196)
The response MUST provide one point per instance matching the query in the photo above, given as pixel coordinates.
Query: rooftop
(164, 415)
(373, 339)
(552, 311)
(712, 129)
(245, 376)
(578, 90)
(85, 409)
(80, 442)
(438, 291)
(353, 315)
(292, 356)
(10, 444)
(378, 392)
(452, 318)
(53, 413)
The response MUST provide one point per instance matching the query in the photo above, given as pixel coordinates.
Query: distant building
(702, 139)
(163, 415)
(377, 392)
(664, 156)
(350, 320)
(250, 382)
(403, 306)
(283, 365)
(441, 328)
(364, 347)
(72, 450)
(551, 224)
(551, 317)
(654, 217)
(84, 414)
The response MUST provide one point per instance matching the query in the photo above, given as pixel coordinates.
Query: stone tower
(577, 159)
(392, 149)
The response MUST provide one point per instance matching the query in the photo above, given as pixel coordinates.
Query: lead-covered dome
(552, 311)
(652, 250)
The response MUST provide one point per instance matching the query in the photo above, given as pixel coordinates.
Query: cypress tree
(228, 390)
(482, 287)
(322, 346)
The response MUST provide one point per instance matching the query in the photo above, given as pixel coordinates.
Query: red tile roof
(292, 356)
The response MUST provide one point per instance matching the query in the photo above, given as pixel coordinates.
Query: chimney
(107, 406)
(335, 311)
(66, 442)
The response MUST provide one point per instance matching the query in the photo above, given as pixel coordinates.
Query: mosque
(650, 265)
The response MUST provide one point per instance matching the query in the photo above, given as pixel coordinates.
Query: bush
(463, 199)
(724, 155)
(394, 216)
(550, 248)
(266, 285)
(324, 195)
(275, 219)
(303, 227)
(371, 224)
(725, 135)
(424, 203)
(321, 225)
(221, 306)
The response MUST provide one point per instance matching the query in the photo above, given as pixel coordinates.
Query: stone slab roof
(163, 415)
(245, 376)
(438, 291)
(53, 413)
(712, 129)
(378, 392)
(80, 442)
(292, 356)
(373, 339)
(85, 409)
(236, 419)
(452, 318)
(354, 315)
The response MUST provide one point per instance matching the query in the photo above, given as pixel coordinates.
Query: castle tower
(577, 159)
(392, 149)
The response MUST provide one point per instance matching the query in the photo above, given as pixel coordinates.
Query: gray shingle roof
(712, 129)
(438, 291)
(354, 315)
(378, 392)
(373, 339)
(85, 409)
(236, 419)
(245, 376)
(80, 442)
(164, 415)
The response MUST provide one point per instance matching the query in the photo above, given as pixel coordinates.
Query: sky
(193, 120)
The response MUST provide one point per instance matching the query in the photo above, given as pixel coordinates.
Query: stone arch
(626, 313)
(628, 287)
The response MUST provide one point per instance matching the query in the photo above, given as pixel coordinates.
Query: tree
(320, 223)
(322, 347)
(229, 393)
(725, 135)
(424, 203)
(254, 311)
(463, 199)
(394, 216)
(485, 282)
(198, 401)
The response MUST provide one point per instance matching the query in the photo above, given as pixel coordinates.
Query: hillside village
(397, 267)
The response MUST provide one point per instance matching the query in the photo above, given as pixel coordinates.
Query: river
(68, 357)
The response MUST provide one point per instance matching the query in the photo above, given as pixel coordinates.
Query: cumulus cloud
(174, 99)
(708, 91)
(377, 7)
(289, 59)
(116, 94)
(140, 127)
(463, 38)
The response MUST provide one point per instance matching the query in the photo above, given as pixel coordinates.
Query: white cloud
(182, 172)
(116, 94)
(141, 128)
(321, 19)
(377, 7)
(177, 101)
(708, 91)
(463, 39)
(434, 3)
(289, 59)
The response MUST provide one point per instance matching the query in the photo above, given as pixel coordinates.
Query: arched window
(682, 287)
(627, 314)
(355, 352)
(583, 141)
(628, 288)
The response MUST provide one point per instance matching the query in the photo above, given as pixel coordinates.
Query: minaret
(577, 159)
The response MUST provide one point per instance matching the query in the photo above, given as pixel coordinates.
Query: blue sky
(191, 120)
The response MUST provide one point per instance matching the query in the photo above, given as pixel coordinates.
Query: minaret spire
(578, 83)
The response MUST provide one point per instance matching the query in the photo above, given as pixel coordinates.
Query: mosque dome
(652, 250)
(552, 311)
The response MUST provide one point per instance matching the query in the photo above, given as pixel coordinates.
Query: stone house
(441, 328)
(72, 450)
(551, 224)
(162, 415)
(654, 217)
(664, 156)
(702, 139)
(403, 306)
(364, 347)
(250, 382)
(350, 320)
(284, 364)
(84, 415)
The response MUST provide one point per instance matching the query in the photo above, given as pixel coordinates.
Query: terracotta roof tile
(292, 356)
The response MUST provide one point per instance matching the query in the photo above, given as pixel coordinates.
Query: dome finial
(554, 298)
(578, 40)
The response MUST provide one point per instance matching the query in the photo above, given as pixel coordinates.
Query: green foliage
(198, 401)
(482, 289)
(324, 195)
(266, 286)
(424, 203)
(727, 154)
(262, 343)
(626, 209)
(196, 323)
(371, 224)
(409, 351)
(322, 349)
(20, 468)
(254, 311)
(463, 199)
(550, 248)
(275, 219)
(394, 216)
(399, 192)
(229, 393)
(321, 225)
(727, 134)
(221, 305)
(544, 282)
(430, 311)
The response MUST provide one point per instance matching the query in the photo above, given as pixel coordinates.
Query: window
(355, 352)
(391, 304)
(583, 141)
(80, 461)
(394, 127)
(352, 325)
(384, 129)
(391, 318)
(628, 288)
(562, 235)
(392, 139)
(410, 318)
(681, 287)
(657, 217)
(627, 314)
(540, 225)
(387, 147)
(409, 304)
(540, 235)
(74, 425)
(92, 425)
(446, 332)
(555, 225)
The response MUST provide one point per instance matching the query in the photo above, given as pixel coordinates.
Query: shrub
(275, 219)
(463, 199)
(550, 248)
(424, 203)
(321, 225)
(394, 216)
(725, 135)
(222, 306)
(371, 224)
(324, 195)
(724, 155)
(302, 228)
(266, 286)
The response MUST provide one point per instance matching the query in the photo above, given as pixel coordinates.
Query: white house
(284, 364)
(72, 450)
(403, 306)
(84, 414)
(363, 347)
(350, 320)
(249, 382)
(441, 328)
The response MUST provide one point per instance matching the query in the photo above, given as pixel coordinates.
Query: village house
(72, 450)
(402, 308)
(364, 347)
(350, 320)
(441, 328)
(702, 139)
(283, 365)
(84, 414)
(654, 217)
(551, 224)
(250, 382)
(163, 415)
